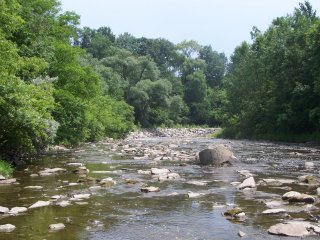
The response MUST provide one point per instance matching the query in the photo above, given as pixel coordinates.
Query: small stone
(273, 204)
(309, 165)
(274, 211)
(7, 228)
(33, 187)
(56, 197)
(73, 184)
(57, 226)
(293, 196)
(147, 172)
(2, 177)
(242, 234)
(150, 189)
(50, 171)
(75, 164)
(34, 175)
(82, 196)
(40, 204)
(94, 188)
(194, 195)
(107, 182)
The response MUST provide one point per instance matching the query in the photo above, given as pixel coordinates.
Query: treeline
(273, 84)
(62, 84)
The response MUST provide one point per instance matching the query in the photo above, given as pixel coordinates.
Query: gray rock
(241, 234)
(2, 177)
(40, 204)
(292, 229)
(57, 226)
(7, 228)
(247, 183)
(217, 156)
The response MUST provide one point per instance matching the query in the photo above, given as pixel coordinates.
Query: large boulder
(217, 156)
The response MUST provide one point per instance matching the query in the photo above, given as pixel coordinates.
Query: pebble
(56, 226)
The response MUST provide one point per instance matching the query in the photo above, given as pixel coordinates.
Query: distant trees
(272, 84)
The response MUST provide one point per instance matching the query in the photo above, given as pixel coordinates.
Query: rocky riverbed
(151, 186)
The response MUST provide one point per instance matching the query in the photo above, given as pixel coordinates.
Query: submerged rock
(17, 210)
(40, 204)
(7, 228)
(217, 156)
(236, 214)
(50, 171)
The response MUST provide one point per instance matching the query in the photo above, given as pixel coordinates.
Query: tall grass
(5, 169)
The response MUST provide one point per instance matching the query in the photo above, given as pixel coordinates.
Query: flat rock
(33, 187)
(7, 228)
(40, 204)
(16, 210)
(274, 211)
(56, 226)
(247, 183)
(150, 189)
(8, 181)
(292, 229)
(4, 210)
(198, 183)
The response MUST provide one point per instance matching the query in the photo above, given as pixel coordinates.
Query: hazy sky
(223, 24)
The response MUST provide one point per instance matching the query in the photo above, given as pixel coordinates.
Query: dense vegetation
(62, 84)
(273, 85)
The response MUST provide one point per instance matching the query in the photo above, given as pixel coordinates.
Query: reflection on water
(123, 212)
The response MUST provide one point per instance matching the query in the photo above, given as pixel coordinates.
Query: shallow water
(123, 212)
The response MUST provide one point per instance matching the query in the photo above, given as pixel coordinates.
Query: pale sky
(223, 24)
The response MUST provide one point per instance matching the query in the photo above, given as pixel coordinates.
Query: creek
(122, 211)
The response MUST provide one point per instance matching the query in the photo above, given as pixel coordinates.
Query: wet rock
(274, 211)
(293, 196)
(81, 196)
(150, 189)
(275, 182)
(194, 195)
(241, 234)
(198, 183)
(169, 176)
(17, 210)
(309, 179)
(81, 170)
(245, 173)
(50, 171)
(292, 229)
(40, 204)
(247, 183)
(236, 214)
(7, 228)
(57, 226)
(8, 181)
(107, 182)
(217, 156)
(63, 203)
(33, 187)
(4, 210)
